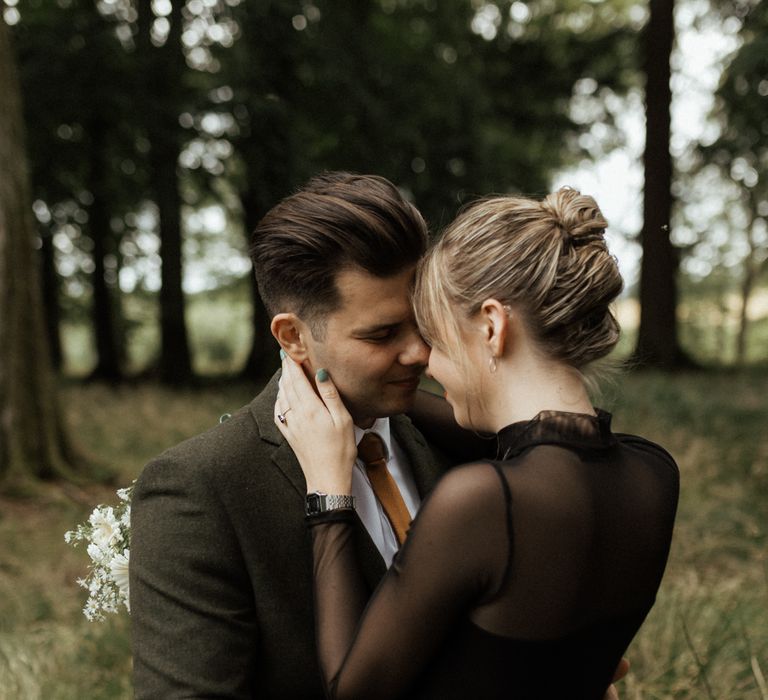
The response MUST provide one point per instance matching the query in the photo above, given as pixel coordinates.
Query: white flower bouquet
(107, 535)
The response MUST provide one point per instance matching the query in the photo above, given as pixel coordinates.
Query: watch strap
(319, 502)
(335, 501)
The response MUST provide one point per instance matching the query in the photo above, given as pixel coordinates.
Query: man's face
(371, 347)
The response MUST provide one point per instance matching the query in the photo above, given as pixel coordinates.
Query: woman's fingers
(621, 670)
(331, 398)
(297, 394)
(318, 428)
(293, 381)
(279, 411)
(298, 391)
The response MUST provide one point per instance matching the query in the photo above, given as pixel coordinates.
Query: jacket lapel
(262, 409)
(426, 465)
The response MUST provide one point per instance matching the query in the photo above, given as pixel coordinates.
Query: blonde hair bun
(577, 216)
(546, 258)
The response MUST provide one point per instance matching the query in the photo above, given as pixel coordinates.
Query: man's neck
(364, 423)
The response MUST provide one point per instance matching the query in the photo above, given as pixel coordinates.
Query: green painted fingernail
(282, 354)
(322, 375)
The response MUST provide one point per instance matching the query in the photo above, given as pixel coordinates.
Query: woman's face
(460, 381)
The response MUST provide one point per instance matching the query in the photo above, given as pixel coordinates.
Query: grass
(707, 636)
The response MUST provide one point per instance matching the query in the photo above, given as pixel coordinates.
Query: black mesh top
(522, 577)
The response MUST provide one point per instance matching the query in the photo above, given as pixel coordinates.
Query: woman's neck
(527, 386)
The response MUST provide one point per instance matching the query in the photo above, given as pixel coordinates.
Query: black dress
(522, 577)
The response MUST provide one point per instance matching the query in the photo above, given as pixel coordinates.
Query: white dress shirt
(367, 505)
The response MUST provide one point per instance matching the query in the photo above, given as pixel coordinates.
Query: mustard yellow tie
(371, 451)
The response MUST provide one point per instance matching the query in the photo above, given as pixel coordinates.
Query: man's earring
(492, 364)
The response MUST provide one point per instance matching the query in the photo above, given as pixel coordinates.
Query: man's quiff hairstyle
(337, 221)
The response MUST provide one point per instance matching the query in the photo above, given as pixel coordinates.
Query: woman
(528, 575)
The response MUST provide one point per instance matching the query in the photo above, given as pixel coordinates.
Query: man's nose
(416, 351)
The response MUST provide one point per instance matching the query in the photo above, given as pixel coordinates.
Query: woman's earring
(492, 364)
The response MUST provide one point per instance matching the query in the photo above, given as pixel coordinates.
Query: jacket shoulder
(243, 441)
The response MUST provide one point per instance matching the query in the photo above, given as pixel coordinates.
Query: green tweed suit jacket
(221, 565)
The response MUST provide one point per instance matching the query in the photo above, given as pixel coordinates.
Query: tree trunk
(32, 438)
(175, 365)
(657, 343)
(747, 286)
(51, 285)
(163, 68)
(105, 309)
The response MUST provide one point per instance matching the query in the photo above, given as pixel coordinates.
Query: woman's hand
(318, 429)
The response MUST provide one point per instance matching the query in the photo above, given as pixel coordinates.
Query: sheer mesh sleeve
(456, 555)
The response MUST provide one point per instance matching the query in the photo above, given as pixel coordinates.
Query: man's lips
(407, 382)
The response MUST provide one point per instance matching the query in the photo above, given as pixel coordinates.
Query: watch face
(314, 503)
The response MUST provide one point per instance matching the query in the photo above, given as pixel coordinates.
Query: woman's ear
(496, 326)
(289, 330)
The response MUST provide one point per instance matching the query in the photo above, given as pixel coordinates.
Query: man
(221, 580)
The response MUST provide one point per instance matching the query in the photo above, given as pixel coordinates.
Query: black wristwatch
(319, 502)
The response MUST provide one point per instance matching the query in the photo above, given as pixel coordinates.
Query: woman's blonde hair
(547, 259)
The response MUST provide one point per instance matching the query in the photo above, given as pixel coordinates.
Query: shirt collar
(578, 430)
(381, 428)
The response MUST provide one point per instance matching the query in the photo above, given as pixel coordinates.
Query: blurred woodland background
(140, 142)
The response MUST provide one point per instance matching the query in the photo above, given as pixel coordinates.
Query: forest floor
(707, 636)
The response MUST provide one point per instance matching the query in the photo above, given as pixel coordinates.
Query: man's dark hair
(336, 221)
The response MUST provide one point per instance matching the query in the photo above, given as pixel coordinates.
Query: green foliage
(413, 91)
(741, 101)
(449, 99)
(79, 92)
(734, 242)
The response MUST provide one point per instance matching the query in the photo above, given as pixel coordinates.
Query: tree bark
(33, 443)
(50, 296)
(105, 309)
(163, 69)
(657, 343)
(175, 364)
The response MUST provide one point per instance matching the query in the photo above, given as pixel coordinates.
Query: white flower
(106, 536)
(106, 529)
(91, 611)
(119, 569)
(95, 553)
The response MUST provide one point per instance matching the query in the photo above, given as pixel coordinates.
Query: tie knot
(371, 449)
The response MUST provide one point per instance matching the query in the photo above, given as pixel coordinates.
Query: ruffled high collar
(578, 430)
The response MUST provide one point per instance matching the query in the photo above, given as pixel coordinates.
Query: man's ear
(289, 330)
(496, 326)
